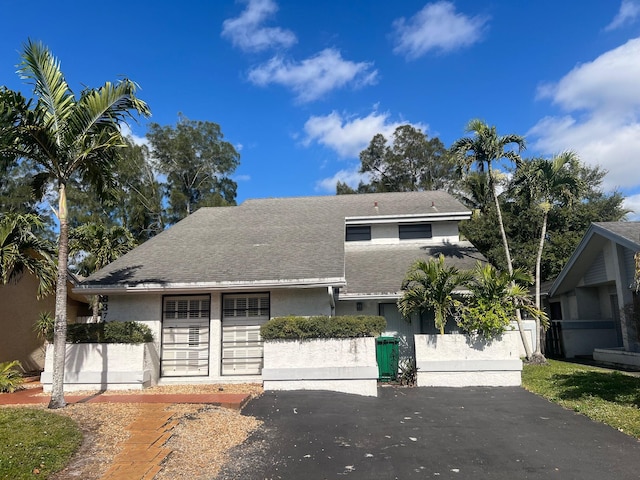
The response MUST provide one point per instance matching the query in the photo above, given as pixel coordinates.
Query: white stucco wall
(387, 233)
(342, 365)
(301, 301)
(147, 309)
(369, 307)
(455, 360)
(105, 366)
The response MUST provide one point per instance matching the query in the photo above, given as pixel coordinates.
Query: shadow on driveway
(443, 433)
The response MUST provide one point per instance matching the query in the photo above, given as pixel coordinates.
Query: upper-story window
(414, 230)
(357, 233)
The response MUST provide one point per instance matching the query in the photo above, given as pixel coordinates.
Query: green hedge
(109, 332)
(323, 327)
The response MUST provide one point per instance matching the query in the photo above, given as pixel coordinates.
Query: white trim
(422, 217)
(209, 286)
(366, 296)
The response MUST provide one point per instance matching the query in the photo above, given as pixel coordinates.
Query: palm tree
(495, 298)
(484, 148)
(547, 183)
(431, 285)
(68, 136)
(22, 250)
(100, 245)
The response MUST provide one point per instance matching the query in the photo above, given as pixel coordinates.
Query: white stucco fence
(340, 365)
(456, 360)
(105, 366)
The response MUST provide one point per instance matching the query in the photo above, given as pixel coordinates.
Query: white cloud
(242, 178)
(632, 202)
(349, 136)
(600, 101)
(436, 27)
(314, 76)
(126, 131)
(247, 32)
(349, 176)
(628, 13)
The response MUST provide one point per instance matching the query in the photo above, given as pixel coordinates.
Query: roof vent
(375, 206)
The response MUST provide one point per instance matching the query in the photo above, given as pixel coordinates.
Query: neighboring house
(592, 299)
(19, 311)
(206, 285)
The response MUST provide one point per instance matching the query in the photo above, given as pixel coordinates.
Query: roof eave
(422, 217)
(209, 286)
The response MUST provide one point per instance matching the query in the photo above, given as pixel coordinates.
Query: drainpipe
(332, 300)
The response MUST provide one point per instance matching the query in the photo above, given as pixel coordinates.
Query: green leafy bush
(485, 319)
(323, 327)
(10, 376)
(109, 332)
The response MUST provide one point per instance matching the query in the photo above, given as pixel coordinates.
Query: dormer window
(358, 233)
(410, 231)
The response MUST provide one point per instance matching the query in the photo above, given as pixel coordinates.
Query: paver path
(144, 450)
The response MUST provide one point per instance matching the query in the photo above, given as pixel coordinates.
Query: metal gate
(242, 316)
(185, 336)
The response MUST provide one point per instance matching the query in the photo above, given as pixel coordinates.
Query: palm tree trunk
(95, 308)
(538, 351)
(505, 243)
(60, 325)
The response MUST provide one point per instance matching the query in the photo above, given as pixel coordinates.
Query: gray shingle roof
(625, 230)
(380, 270)
(266, 240)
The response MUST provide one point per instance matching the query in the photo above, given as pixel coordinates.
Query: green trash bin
(387, 354)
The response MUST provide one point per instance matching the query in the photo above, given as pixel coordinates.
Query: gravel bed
(200, 441)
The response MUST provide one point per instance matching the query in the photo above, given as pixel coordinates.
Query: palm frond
(55, 98)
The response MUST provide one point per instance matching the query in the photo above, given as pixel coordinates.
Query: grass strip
(603, 395)
(35, 443)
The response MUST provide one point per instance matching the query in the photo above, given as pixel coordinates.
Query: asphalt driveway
(443, 433)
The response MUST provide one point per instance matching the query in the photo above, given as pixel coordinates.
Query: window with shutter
(185, 336)
(242, 316)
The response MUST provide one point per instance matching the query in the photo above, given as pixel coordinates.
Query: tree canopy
(410, 161)
(197, 163)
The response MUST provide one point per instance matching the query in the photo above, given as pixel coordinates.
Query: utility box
(387, 355)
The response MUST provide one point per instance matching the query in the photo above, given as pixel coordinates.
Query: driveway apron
(443, 433)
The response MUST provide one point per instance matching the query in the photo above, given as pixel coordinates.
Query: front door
(185, 336)
(401, 328)
(242, 316)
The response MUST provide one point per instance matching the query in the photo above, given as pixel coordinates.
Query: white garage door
(185, 336)
(242, 316)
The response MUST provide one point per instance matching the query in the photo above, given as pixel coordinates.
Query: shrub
(323, 327)
(484, 319)
(10, 376)
(109, 332)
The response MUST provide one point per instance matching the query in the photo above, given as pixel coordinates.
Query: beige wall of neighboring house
(19, 310)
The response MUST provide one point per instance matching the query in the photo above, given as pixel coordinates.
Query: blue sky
(300, 88)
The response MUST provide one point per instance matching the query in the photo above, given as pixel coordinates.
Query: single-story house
(19, 311)
(207, 284)
(593, 302)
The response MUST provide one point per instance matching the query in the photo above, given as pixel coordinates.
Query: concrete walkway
(30, 396)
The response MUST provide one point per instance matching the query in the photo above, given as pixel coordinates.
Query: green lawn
(603, 395)
(35, 440)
